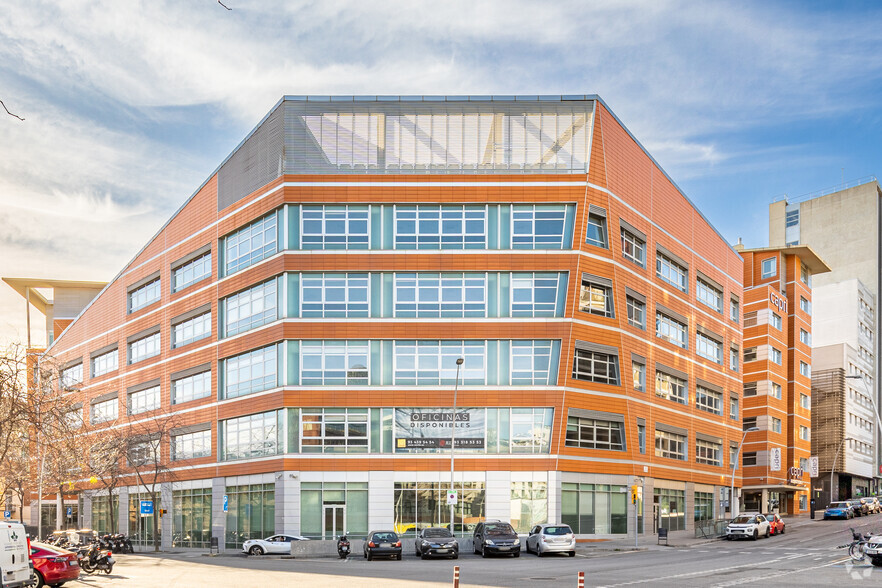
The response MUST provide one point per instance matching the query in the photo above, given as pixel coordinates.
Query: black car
(859, 508)
(382, 544)
(496, 537)
(436, 541)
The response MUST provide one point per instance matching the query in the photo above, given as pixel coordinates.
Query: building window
(191, 445)
(776, 390)
(708, 348)
(333, 295)
(670, 330)
(633, 248)
(733, 358)
(334, 363)
(769, 267)
(776, 425)
(251, 308)
(190, 330)
(805, 275)
(596, 232)
(636, 312)
(749, 354)
(440, 227)
(191, 387)
(251, 513)
(74, 418)
(593, 366)
(733, 408)
(748, 459)
(101, 412)
(251, 244)
(805, 337)
(334, 227)
(191, 272)
(538, 227)
(671, 387)
(530, 363)
(421, 505)
(670, 445)
(596, 298)
(749, 389)
(595, 508)
(250, 372)
(532, 295)
(433, 363)
(451, 295)
(105, 363)
(708, 400)
(805, 433)
(704, 505)
(255, 435)
(805, 369)
(748, 423)
(734, 310)
(72, 376)
(805, 305)
(144, 348)
(334, 430)
(144, 400)
(776, 321)
(191, 517)
(805, 401)
(595, 434)
(775, 356)
(143, 453)
(672, 272)
(641, 438)
(708, 453)
(144, 295)
(672, 508)
(639, 370)
(529, 504)
(709, 295)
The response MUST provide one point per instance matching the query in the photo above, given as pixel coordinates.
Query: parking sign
(226, 503)
(451, 497)
(146, 508)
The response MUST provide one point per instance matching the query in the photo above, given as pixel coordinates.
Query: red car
(776, 524)
(53, 566)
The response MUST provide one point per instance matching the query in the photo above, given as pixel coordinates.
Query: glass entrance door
(334, 521)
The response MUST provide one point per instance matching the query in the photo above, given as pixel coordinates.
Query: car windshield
(838, 505)
(437, 533)
(557, 530)
(385, 537)
(742, 520)
(769, 517)
(499, 530)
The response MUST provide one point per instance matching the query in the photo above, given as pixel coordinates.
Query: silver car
(549, 538)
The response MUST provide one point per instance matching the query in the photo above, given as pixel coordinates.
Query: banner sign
(775, 459)
(813, 466)
(432, 428)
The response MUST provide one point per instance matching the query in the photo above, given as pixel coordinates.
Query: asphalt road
(804, 556)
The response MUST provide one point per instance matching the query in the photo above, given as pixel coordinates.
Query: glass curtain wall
(704, 506)
(596, 509)
(316, 497)
(251, 513)
(191, 518)
(424, 504)
(671, 508)
(529, 505)
(141, 527)
(101, 514)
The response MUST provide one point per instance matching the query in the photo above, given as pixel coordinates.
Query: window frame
(592, 287)
(636, 244)
(152, 288)
(582, 424)
(596, 358)
(768, 270)
(666, 268)
(600, 236)
(202, 261)
(268, 223)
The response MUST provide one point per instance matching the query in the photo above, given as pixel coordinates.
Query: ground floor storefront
(323, 505)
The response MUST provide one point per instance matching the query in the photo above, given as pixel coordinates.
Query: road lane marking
(768, 576)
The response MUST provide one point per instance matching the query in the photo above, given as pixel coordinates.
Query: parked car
(859, 508)
(274, 544)
(839, 510)
(436, 541)
(495, 537)
(748, 525)
(551, 539)
(53, 566)
(383, 544)
(15, 564)
(776, 523)
(871, 503)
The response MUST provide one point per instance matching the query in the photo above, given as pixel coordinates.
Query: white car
(874, 550)
(551, 539)
(749, 525)
(279, 544)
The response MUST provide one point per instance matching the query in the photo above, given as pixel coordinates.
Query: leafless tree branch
(20, 118)
(224, 5)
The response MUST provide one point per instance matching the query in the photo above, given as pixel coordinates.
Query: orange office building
(301, 315)
(777, 377)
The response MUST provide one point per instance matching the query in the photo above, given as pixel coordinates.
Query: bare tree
(20, 118)
(14, 410)
(107, 454)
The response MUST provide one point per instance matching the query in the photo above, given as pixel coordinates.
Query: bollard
(581, 583)
(455, 576)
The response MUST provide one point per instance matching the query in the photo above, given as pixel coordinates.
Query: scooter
(97, 560)
(343, 547)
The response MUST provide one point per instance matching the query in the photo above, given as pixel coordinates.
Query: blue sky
(129, 106)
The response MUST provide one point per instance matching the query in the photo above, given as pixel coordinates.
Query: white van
(15, 556)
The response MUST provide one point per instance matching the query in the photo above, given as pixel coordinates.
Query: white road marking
(767, 576)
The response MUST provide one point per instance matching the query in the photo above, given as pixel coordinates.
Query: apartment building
(301, 316)
(777, 377)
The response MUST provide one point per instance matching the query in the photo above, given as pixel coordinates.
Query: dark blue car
(839, 510)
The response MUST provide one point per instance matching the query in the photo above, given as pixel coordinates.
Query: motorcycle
(96, 560)
(343, 547)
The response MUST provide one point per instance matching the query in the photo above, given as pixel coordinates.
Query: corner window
(251, 244)
(769, 267)
(596, 231)
(805, 275)
(596, 298)
(636, 312)
(633, 248)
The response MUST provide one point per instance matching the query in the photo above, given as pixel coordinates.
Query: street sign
(451, 497)
(813, 466)
(69, 512)
(7, 514)
(226, 502)
(146, 508)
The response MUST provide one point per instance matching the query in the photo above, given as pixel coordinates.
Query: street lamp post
(459, 362)
(732, 512)
(833, 469)
(878, 424)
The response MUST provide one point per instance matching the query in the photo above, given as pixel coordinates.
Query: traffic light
(634, 493)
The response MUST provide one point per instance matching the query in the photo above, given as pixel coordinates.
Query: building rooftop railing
(825, 191)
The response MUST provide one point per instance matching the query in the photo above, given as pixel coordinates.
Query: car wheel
(483, 552)
(517, 554)
(455, 556)
(755, 535)
(256, 550)
(370, 556)
(783, 528)
(399, 557)
(40, 581)
(475, 546)
(768, 533)
(572, 554)
(364, 554)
